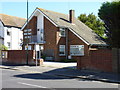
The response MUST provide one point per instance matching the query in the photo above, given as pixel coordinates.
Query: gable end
(38, 10)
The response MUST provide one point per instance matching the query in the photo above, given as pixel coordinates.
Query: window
(29, 47)
(42, 31)
(27, 33)
(62, 32)
(8, 33)
(62, 50)
(8, 43)
(77, 50)
(41, 38)
(27, 30)
(27, 36)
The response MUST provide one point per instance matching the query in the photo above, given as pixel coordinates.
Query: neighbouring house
(59, 36)
(1, 33)
(10, 31)
(1, 40)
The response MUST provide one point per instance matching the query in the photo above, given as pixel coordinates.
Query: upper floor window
(27, 36)
(8, 44)
(77, 50)
(8, 33)
(27, 30)
(62, 32)
(27, 33)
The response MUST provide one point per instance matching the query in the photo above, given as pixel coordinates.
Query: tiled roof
(8, 20)
(78, 27)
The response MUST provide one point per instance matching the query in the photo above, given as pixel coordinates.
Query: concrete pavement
(68, 70)
(60, 64)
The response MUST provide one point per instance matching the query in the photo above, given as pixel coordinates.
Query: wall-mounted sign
(37, 47)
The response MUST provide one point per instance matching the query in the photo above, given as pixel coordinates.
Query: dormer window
(62, 32)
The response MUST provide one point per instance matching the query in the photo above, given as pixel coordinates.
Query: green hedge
(68, 60)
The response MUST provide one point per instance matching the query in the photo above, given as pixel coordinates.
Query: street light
(27, 37)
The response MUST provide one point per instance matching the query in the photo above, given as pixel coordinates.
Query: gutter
(99, 45)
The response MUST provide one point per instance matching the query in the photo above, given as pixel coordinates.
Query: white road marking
(106, 83)
(31, 85)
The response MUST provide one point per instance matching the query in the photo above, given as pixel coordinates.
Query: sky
(19, 8)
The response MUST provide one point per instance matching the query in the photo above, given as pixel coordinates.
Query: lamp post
(27, 37)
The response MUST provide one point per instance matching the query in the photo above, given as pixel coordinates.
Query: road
(21, 79)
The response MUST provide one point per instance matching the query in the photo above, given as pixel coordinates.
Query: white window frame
(77, 46)
(63, 30)
(27, 36)
(27, 30)
(63, 47)
(9, 44)
(27, 33)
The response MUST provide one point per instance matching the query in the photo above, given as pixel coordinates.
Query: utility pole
(27, 37)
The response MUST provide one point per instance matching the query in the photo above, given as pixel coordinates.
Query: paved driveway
(60, 64)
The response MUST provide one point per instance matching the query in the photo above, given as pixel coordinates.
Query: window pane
(8, 33)
(62, 32)
(76, 49)
(62, 49)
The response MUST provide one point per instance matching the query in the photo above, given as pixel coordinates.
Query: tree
(94, 23)
(2, 47)
(109, 12)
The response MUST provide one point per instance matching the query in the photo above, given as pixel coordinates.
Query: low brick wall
(18, 56)
(116, 60)
(97, 60)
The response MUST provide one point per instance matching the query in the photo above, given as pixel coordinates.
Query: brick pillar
(116, 60)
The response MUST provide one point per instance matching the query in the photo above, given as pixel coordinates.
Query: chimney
(71, 16)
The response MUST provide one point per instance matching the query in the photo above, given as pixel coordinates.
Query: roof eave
(86, 42)
(12, 26)
(99, 45)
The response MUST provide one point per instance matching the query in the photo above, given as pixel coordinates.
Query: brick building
(59, 36)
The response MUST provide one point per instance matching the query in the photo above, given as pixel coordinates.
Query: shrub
(3, 47)
(68, 60)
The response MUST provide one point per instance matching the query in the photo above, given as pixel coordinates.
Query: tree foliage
(2, 47)
(94, 23)
(109, 12)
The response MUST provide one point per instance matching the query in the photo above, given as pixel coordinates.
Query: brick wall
(116, 60)
(100, 59)
(72, 40)
(18, 57)
(32, 24)
(50, 31)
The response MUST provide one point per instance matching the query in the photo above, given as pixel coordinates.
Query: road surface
(21, 79)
